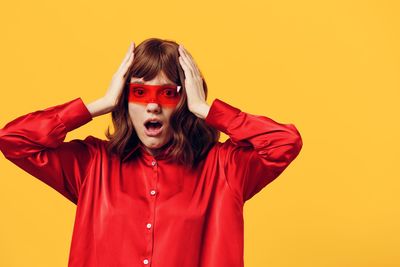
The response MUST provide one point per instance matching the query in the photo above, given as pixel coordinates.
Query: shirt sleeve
(35, 143)
(258, 148)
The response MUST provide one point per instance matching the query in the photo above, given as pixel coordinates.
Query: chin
(154, 143)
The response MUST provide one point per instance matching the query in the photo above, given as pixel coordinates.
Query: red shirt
(140, 210)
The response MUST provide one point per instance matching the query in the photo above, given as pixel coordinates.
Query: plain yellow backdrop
(329, 67)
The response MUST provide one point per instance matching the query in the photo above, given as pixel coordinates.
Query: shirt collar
(140, 148)
(136, 147)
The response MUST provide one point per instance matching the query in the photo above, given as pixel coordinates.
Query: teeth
(154, 121)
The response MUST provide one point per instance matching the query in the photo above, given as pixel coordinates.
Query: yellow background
(329, 67)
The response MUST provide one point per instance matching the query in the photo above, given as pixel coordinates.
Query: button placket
(152, 194)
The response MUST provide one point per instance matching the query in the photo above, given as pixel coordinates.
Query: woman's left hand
(194, 85)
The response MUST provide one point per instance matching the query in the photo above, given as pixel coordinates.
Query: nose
(153, 107)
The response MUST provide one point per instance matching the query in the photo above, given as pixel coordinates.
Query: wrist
(201, 110)
(100, 106)
(109, 103)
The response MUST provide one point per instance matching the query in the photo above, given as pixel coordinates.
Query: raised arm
(258, 148)
(34, 142)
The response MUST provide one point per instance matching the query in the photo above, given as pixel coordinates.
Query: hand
(119, 78)
(194, 84)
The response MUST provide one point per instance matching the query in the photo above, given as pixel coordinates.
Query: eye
(169, 93)
(138, 92)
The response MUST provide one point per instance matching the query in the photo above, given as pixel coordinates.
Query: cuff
(221, 115)
(74, 114)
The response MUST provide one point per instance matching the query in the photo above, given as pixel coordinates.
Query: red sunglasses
(167, 94)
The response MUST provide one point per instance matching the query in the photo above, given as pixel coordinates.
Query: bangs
(192, 137)
(156, 58)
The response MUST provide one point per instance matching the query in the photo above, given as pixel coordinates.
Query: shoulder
(230, 146)
(91, 142)
(95, 140)
(230, 150)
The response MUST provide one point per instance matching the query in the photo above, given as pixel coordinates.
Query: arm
(258, 150)
(34, 142)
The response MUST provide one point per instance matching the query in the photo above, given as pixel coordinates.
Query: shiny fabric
(140, 210)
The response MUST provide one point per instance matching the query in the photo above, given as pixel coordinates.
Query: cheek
(135, 122)
(168, 114)
(135, 114)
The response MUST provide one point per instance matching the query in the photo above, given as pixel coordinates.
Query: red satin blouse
(140, 210)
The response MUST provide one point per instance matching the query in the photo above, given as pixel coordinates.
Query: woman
(162, 190)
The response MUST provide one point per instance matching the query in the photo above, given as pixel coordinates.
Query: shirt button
(152, 192)
(153, 162)
(148, 225)
(145, 261)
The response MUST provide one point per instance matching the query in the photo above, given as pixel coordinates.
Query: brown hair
(192, 138)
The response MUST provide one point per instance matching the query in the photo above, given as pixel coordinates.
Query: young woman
(162, 191)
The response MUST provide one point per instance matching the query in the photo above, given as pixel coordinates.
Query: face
(140, 111)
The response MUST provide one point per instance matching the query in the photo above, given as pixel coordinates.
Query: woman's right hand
(119, 78)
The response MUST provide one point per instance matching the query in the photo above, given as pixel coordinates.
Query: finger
(183, 63)
(127, 58)
(185, 67)
(191, 61)
(186, 60)
(184, 55)
(129, 62)
(195, 67)
(130, 51)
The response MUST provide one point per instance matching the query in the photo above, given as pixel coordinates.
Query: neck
(153, 151)
(157, 151)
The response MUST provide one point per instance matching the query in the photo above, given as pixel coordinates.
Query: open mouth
(153, 127)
